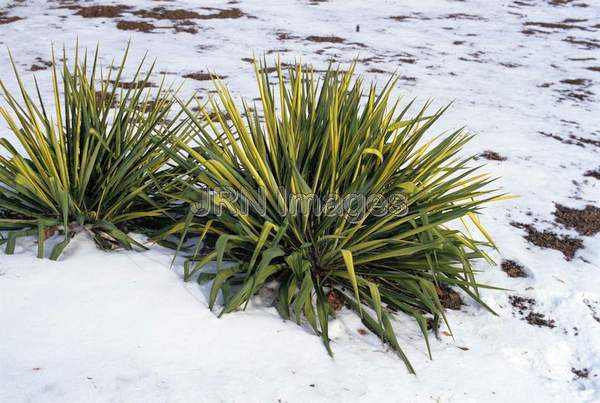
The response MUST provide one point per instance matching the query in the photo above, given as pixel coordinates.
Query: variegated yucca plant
(325, 136)
(89, 159)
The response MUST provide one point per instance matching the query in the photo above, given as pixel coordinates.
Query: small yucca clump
(95, 165)
(338, 199)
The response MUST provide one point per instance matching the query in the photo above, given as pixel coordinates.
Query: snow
(123, 327)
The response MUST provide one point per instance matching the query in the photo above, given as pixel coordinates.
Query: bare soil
(593, 173)
(334, 301)
(586, 43)
(161, 13)
(592, 307)
(462, 16)
(132, 84)
(585, 221)
(492, 156)
(102, 11)
(202, 76)
(564, 25)
(548, 239)
(572, 139)
(449, 298)
(328, 39)
(581, 373)
(140, 26)
(512, 268)
(285, 36)
(524, 307)
(40, 64)
(4, 19)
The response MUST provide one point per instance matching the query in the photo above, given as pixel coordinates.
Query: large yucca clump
(93, 165)
(334, 194)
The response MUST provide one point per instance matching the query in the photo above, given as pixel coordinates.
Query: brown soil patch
(594, 68)
(577, 95)
(104, 100)
(566, 2)
(524, 307)
(592, 307)
(40, 64)
(334, 301)
(37, 67)
(328, 39)
(510, 65)
(449, 298)
(548, 239)
(132, 84)
(593, 174)
(407, 60)
(285, 36)
(232, 13)
(595, 143)
(151, 106)
(529, 32)
(7, 20)
(539, 319)
(576, 81)
(140, 26)
(102, 11)
(572, 140)
(268, 70)
(587, 44)
(414, 16)
(492, 156)
(475, 57)
(581, 373)
(401, 18)
(512, 268)
(565, 25)
(202, 76)
(161, 13)
(187, 27)
(585, 221)
(462, 16)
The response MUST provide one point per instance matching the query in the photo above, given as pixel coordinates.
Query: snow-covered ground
(523, 75)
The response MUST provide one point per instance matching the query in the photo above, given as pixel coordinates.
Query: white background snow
(123, 327)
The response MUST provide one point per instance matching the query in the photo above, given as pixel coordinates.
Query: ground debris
(512, 268)
(449, 298)
(524, 307)
(548, 239)
(585, 221)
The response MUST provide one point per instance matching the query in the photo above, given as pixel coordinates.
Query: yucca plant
(95, 165)
(266, 184)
